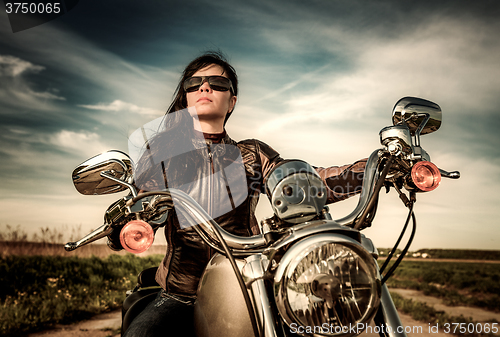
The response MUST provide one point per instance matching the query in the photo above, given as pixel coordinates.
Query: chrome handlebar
(205, 226)
(369, 180)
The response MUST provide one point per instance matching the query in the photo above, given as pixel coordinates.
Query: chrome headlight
(326, 284)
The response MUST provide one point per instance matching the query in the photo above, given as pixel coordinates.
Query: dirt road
(104, 325)
(108, 325)
(478, 315)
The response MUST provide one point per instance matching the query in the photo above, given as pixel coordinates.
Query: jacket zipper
(211, 181)
(210, 186)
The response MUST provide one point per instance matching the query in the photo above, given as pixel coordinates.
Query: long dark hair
(206, 59)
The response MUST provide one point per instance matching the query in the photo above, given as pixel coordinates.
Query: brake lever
(451, 175)
(99, 233)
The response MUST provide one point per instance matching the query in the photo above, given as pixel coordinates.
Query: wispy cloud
(99, 73)
(13, 66)
(38, 147)
(120, 106)
(442, 59)
(15, 90)
(84, 143)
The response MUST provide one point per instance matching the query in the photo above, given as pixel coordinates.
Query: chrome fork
(387, 316)
(253, 274)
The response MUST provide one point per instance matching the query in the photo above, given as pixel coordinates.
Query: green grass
(472, 284)
(458, 254)
(463, 254)
(39, 291)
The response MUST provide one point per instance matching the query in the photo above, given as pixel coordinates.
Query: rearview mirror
(420, 115)
(106, 173)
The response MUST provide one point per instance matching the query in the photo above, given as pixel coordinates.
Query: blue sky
(318, 80)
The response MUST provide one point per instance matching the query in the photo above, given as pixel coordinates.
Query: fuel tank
(220, 309)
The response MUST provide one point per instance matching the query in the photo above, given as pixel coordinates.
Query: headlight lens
(328, 284)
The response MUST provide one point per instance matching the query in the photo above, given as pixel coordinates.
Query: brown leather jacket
(187, 255)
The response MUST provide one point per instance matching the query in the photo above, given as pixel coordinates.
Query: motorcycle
(304, 274)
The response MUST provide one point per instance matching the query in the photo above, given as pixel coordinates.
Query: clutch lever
(99, 233)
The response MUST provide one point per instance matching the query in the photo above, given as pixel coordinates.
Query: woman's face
(211, 105)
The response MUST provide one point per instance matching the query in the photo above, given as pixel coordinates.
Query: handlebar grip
(70, 246)
(451, 175)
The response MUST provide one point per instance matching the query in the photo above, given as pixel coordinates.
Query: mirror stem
(129, 186)
(420, 128)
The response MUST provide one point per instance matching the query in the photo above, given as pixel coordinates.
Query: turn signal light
(426, 176)
(137, 236)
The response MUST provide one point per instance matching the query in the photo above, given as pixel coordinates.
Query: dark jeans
(168, 315)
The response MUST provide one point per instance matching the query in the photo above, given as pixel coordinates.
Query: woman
(208, 89)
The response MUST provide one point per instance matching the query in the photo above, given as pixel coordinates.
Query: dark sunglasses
(218, 83)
